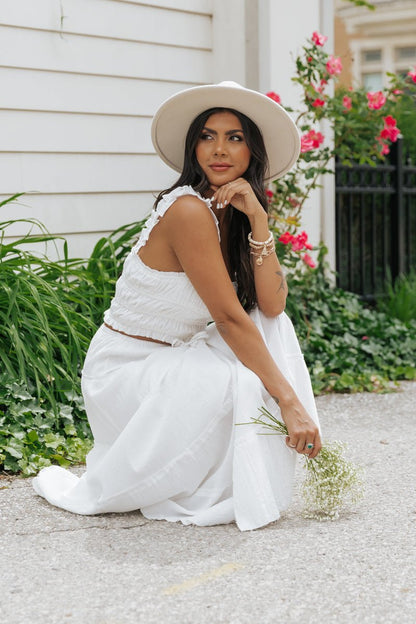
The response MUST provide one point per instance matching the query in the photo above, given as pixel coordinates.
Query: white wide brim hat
(172, 120)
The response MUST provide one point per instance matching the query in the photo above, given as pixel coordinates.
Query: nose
(220, 146)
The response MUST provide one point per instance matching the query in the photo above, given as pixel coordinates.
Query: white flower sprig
(331, 480)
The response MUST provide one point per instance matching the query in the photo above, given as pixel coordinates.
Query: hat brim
(172, 120)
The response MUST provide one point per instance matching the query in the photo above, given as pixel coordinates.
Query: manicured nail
(225, 203)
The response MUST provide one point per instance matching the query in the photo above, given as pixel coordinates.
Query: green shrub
(348, 346)
(33, 436)
(399, 298)
(49, 311)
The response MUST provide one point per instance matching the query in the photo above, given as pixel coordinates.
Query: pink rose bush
(274, 96)
(376, 100)
(334, 65)
(318, 39)
(363, 127)
(390, 132)
(318, 102)
(347, 102)
(298, 243)
(310, 140)
(412, 74)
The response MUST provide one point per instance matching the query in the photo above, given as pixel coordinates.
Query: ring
(309, 446)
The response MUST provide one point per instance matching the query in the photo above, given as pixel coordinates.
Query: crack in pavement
(94, 526)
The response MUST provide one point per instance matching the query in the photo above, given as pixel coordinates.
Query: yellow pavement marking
(227, 568)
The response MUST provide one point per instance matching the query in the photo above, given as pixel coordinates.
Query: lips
(218, 167)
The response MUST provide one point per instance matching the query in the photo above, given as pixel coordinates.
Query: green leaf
(13, 452)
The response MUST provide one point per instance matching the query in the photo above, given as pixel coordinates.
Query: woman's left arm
(269, 279)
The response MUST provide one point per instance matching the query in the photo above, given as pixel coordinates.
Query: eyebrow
(227, 133)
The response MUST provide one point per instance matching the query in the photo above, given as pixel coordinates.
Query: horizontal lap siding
(42, 90)
(77, 102)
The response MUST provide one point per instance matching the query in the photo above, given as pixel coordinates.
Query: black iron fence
(375, 222)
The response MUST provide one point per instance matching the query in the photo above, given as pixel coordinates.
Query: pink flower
(318, 39)
(384, 149)
(398, 92)
(306, 144)
(392, 134)
(300, 242)
(310, 59)
(389, 121)
(318, 102)
(390, 130)
(376, 100)
(269, 194)
(293, 202)
(273, 96)
(347, 102)
(364, 337)
(286, 238)
(322, 85)
(308, 260)
(412, 74)
(334, 65)
(297, 245)
(310, 141)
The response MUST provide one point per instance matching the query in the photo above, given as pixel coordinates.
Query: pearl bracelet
(254, 243)
(261, 249)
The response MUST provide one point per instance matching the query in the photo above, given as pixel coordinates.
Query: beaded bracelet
(261, 249)
(254, 243)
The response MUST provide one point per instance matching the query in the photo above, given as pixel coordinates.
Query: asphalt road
(56, 567)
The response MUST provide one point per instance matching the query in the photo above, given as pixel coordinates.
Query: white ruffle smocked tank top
(162, 305)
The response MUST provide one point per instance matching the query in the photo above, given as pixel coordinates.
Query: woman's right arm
(191, 233)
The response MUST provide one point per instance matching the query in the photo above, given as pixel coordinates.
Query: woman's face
(221, 150)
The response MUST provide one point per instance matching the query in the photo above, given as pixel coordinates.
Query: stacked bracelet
(261, 249)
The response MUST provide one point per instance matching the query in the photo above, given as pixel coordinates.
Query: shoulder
(190, 211)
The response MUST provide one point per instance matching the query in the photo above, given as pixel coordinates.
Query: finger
(222, 196)
(290, 443)
(317, 447)
(225, 193)
(309, 447)
(301, 443)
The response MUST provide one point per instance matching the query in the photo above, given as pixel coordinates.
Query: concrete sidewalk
(122, 569)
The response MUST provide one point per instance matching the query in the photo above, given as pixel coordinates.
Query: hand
(240, 194)
(302, 429)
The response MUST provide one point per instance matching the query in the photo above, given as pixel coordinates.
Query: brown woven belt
(137, 337)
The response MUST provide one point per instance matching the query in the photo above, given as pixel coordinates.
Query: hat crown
(230, 83)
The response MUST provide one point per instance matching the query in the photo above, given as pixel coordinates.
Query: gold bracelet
(262, 254)
(261, 249)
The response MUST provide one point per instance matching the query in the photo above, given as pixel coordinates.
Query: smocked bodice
(157, 304)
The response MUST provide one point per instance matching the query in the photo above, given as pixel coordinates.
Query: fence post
(398, 216)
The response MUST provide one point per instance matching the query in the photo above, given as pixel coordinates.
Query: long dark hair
(239, 226)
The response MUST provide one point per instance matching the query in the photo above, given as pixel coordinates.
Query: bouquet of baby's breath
(331, 480)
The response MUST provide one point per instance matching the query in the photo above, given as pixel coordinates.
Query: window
(406, 54)
(371, 56)
(372, 81)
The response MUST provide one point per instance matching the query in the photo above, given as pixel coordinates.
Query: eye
(205, 136)
(236, 138)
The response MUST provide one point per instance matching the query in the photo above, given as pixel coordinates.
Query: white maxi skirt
(165, 436)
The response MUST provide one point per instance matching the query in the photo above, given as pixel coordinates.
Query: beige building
(372, 43)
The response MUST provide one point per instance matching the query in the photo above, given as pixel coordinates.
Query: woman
(163, 386)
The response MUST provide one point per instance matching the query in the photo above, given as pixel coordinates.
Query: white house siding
(80, 81)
